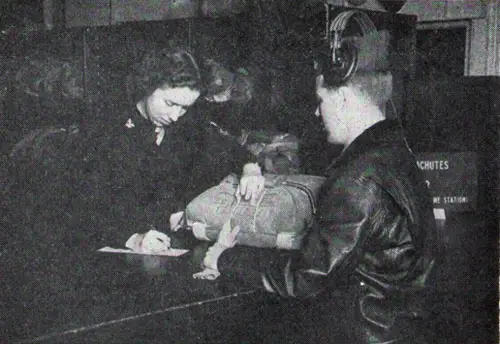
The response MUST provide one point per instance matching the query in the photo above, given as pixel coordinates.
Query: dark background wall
(459, 114)
(64, 74)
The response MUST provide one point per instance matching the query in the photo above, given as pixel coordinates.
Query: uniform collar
(137, 121)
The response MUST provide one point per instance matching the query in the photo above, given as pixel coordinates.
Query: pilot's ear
(343, 92)
(321, 90)
(320, 81)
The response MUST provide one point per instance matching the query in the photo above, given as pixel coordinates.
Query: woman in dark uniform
(138, 158)
(154, 157)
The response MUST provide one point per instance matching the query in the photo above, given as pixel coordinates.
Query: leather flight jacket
(374, 233)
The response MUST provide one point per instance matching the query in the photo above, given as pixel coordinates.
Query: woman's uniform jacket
(140, 179)
(373, 237)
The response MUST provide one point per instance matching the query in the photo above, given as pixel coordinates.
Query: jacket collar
(383, 133)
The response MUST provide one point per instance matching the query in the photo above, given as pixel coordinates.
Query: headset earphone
(343, 59)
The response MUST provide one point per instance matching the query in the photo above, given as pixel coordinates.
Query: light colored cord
(400, 122)
(254, 222)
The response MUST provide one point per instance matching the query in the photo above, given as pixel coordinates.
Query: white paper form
(173, 252)
(152, 243)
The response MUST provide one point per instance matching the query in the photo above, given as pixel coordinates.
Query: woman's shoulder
(112, 129)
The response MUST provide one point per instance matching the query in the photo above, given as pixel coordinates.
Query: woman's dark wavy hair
(164, 68)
